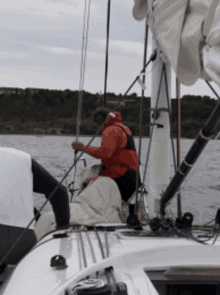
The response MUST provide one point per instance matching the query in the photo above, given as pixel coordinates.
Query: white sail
(188, 32)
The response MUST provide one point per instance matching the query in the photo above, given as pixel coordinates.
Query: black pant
(45, 183)
(127, 184)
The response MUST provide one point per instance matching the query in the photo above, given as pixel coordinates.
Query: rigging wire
(152, 58)
(152, 130)
(99, 129)
(178, 143)
(82, 77)
(160, 55)
(106, 54)
(141, 119)
(170, 119)
(83, 63)
(192, 171)
(179, 209)
(164, 58)
(172, 141)
(210, 86)
(197, 164)
(151, 22)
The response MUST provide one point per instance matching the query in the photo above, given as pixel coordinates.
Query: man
(117, 151)
(19, 177)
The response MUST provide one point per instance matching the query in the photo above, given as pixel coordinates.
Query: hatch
(186, 280)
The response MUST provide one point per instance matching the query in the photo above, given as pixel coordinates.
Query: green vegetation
(43, 111)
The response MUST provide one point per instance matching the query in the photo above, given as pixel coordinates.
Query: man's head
(100, 115)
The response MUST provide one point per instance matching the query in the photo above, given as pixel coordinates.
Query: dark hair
(100, 114)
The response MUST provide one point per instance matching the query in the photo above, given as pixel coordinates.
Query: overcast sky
(41, 46)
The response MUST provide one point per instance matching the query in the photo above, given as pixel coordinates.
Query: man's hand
(77, 146)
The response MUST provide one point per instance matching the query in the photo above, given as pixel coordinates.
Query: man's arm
(109, 144)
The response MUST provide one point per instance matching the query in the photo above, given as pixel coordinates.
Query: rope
(79, 250)
(106, 54)
(82, 247)
(107, 243)
(92, 250)
(214, 232)
(103, 254)
(90, 245)
(191, 237)
(109, 272)
(83, 65)
(82, 76)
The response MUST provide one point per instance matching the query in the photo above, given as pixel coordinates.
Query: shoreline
(71, 135)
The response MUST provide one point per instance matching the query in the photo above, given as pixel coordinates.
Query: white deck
(129, 257)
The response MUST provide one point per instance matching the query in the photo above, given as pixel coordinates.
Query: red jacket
(116, 159)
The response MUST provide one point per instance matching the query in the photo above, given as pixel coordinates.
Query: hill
(43, 111)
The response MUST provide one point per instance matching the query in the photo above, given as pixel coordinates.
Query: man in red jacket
(117, 151)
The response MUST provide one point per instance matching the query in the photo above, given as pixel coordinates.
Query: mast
(199, 144)
(160, 149)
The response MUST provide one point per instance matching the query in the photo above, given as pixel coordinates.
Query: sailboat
(165, 256)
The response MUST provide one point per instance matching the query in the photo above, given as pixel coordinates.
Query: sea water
(200, 191)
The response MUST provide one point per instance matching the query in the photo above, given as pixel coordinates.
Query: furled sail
(188, 33)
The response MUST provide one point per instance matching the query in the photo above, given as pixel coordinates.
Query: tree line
(43, 111)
